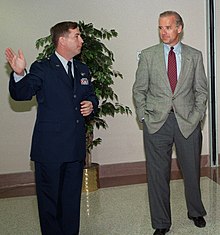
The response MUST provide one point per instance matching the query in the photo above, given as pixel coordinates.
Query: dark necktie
(172, 69)
(70, 74)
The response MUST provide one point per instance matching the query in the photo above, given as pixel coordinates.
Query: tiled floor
(122, 210)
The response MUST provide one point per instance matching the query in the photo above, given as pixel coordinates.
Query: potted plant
(100, 60)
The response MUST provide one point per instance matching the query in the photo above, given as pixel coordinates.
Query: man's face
(169, 31)
(73, 42)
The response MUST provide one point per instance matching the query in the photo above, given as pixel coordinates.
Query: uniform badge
(84, 81)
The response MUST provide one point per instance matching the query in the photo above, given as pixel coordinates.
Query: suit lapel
(162, 65)
(185, 65)
(60, 71)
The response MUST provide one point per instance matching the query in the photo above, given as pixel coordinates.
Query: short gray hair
(179, 20)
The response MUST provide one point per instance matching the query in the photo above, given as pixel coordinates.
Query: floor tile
(122, 210)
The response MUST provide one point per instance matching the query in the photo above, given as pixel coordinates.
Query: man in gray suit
(171, 116)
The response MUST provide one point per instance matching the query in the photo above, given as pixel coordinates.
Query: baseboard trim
(138, 168)
(23, 184)
(135, 172)
(17, 184)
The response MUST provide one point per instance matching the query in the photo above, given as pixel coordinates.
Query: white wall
(136, 21)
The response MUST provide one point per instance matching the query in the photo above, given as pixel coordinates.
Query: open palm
(17, 62)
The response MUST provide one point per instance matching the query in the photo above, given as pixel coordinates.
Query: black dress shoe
(161, 231)
(198, 221)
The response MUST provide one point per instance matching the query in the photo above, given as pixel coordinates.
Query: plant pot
(90, 178)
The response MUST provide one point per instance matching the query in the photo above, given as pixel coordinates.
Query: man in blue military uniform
(58, 143)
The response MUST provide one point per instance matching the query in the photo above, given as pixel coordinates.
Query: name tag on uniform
(84, 81)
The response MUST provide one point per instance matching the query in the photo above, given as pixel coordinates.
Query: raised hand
(17, 62)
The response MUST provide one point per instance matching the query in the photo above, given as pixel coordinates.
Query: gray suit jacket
(152, 94)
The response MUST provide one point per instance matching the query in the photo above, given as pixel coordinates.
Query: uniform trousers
(58, 187)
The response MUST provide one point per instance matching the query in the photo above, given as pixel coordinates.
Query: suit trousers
(158, 150)
(58, 187)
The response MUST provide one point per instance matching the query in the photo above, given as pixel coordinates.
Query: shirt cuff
(17, 77)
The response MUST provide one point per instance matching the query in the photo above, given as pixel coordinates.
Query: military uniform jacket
(59, 131)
